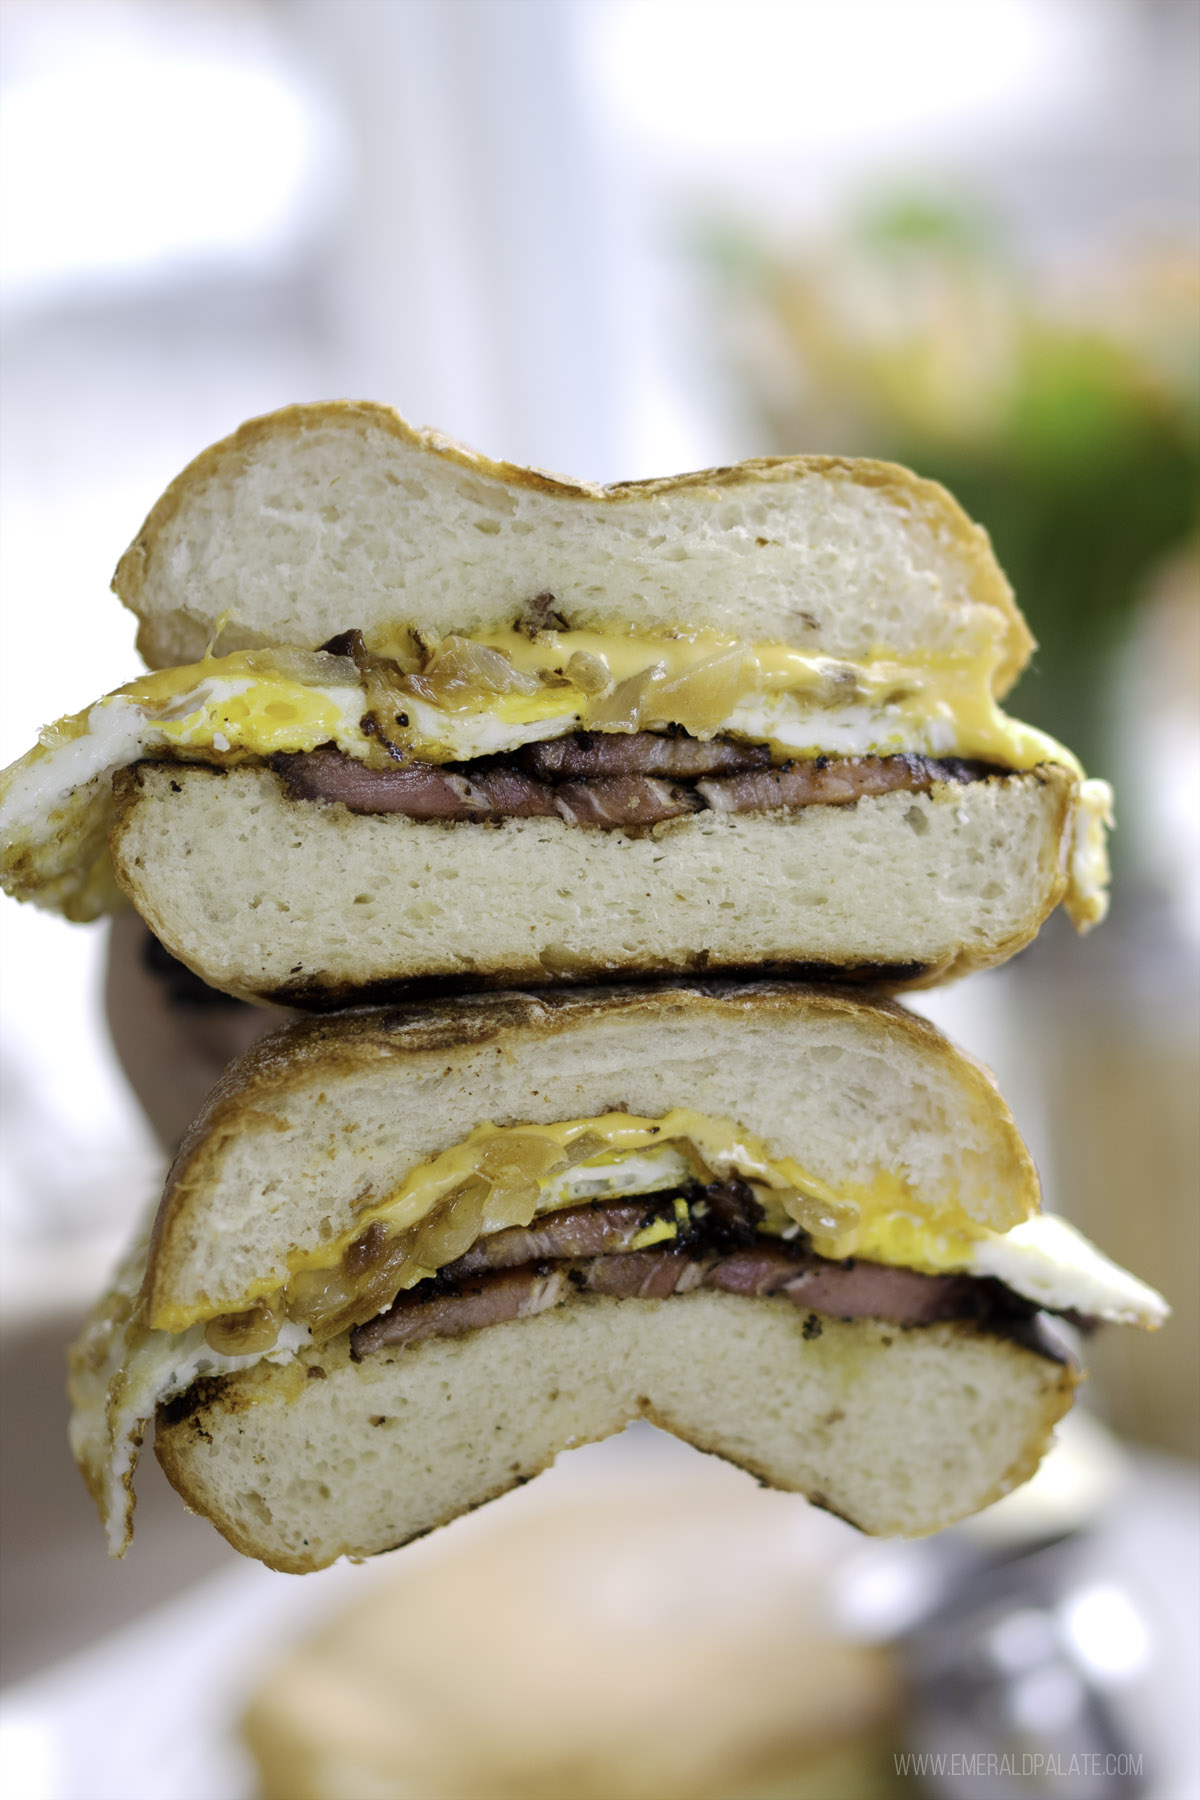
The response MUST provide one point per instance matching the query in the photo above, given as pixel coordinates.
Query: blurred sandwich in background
(655, 1637)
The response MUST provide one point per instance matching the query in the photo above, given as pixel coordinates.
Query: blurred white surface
(150, 1713)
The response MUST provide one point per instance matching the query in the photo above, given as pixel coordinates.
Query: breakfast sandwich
(406, 1256)
(416, 717)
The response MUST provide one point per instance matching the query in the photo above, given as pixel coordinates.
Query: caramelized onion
(315, 1295)
(703, 696)
(586, 1145)
(590, 674)
(458, 669)
(311, 668)
(398, 1267)
(368, 1248)
(823, 1218)
(519, 1156)
(510, 1206)
(627, 707)
(453, 1226)
(245, 1333)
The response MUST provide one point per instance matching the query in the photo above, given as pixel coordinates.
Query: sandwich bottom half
(307, 902)
(901, 1430)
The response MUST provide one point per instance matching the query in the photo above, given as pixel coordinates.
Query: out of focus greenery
(1063, 412)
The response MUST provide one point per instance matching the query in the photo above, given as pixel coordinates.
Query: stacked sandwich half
(701, 766)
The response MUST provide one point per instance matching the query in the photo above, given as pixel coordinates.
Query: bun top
(338, 515)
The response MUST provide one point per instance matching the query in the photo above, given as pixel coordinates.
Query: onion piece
(245, 1333)
(827, 1219)
(628, 706)
(453, 1226)
(590, 674)
(701, 697)
(459, 670)
(311, 668)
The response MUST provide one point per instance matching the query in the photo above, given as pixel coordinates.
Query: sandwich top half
(828, 1205)
(351, 617)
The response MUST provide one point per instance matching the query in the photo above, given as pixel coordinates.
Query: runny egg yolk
(236, 706)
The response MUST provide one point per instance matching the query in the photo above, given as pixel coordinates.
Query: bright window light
(1106, 1632)
(140, 161)
(826, 76)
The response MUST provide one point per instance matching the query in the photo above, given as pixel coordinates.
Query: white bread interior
(900, 1432)
(327, 1116)
(270, 898)
(329, 516)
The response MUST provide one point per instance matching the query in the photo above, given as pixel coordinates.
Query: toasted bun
(329, 516)
(326, 1117)
(900, 1432)
(320, 903)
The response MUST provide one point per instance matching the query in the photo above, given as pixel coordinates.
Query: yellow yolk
(236, 705)
(529, 1171)
(490, 696)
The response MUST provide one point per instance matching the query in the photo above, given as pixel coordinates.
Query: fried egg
(490, 696)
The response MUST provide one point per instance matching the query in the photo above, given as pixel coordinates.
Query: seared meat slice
(830, 781)
(500, 789)
(489, 1300)
(511, 794)
(587, 1230)
(623, 800)
(590, 753)
(849, 1290)
(419, 790)
(865, 1290)
(641, 1275)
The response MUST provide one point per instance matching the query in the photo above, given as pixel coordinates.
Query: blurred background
(622, 238)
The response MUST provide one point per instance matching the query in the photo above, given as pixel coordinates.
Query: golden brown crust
(927, 499)
(310, 1053)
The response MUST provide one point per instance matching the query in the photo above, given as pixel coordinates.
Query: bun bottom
(305, 904)
(901, 1432)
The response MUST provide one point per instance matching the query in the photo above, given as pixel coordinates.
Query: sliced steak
(878, 1291)
(587, 1230)
(849, 1290)
(641, 1275)
(511, 794)
(498, 788)
(590, 753)
(829, 781)
(419, 790)
(623, 800)
(470, 1305)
